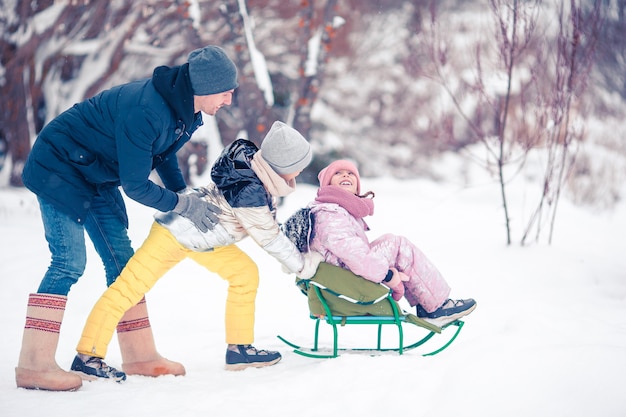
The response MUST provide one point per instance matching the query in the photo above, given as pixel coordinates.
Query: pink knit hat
(327, 173)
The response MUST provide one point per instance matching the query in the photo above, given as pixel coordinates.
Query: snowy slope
(548, 337)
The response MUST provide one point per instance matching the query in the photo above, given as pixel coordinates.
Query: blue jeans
(66, 240)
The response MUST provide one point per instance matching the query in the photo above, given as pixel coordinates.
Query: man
(75, 168)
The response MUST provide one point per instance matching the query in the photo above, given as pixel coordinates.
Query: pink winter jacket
(341, 239)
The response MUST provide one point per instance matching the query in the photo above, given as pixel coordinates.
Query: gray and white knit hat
(285, 149)
(211, 71)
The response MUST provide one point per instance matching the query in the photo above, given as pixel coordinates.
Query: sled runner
(339, 298)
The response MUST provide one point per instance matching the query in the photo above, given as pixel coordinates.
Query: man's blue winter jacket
(116, 139)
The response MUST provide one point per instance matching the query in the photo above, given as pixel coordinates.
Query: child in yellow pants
(246, 182)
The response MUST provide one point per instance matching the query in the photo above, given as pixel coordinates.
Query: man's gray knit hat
(285, 149)
(211, 71)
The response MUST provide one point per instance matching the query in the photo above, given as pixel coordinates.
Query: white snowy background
(548, 337)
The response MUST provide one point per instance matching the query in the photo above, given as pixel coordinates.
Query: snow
(548, 337)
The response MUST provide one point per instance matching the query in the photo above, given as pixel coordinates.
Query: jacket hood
(174, 85)
(233, 175)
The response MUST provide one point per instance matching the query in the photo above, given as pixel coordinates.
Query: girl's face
(345, 179)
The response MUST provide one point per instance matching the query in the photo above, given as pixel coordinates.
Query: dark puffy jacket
(116, 139)
(234, 177)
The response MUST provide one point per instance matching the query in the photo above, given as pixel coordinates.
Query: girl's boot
(37, 367)
(139, 354)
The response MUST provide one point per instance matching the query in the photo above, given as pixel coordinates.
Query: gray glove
(202, 213)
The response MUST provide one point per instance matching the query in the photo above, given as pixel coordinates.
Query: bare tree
(611, 51)
(87, 41)
(576, 41)
(543, 78)
(492, 120)
(252, 110)
(313, 58)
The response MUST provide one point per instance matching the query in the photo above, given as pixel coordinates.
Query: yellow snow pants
(159, 253)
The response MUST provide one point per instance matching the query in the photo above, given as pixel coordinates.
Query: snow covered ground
(548, 337)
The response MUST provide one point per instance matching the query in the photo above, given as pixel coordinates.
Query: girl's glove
(312, 260)
(202, 213)
(396, 284)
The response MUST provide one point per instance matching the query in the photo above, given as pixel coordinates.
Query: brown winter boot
(139, 355)
(37, 367)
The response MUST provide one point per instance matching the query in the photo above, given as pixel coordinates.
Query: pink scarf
(358, 207)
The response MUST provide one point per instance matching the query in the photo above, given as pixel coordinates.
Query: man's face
(213, 102)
